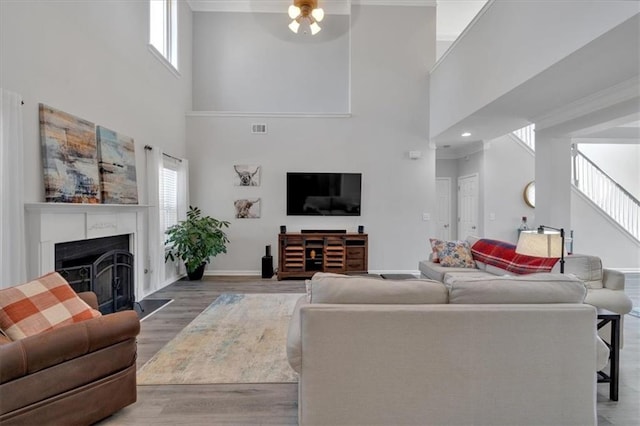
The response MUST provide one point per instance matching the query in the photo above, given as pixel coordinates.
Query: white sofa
(416, 352)
(605, 287)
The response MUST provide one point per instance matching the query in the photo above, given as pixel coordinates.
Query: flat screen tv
(323, 194)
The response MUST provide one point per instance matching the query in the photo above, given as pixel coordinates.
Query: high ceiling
(452, 15)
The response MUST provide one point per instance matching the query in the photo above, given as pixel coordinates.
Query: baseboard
(259, 273)
(232, 273)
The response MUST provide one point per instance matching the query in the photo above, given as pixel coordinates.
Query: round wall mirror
(530, 194)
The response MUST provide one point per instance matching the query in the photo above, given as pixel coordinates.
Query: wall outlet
(492, 216)
(426, 217)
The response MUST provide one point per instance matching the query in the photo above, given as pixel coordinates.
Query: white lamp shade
(294, 25)
(294, 11)
(318, 14)
(315, 28)
(532, 243)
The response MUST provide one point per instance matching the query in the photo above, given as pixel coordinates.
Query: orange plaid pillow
(40, 305)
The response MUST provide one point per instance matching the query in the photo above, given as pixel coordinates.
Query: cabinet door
(293, 254)
(334, 255)
(355, 259)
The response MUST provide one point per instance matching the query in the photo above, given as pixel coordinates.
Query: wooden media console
(300, 255)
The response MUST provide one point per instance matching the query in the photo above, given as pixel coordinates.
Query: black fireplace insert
(102, 265)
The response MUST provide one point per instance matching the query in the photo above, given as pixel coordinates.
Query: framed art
(117, 166)
(247, 209)
(69, 157)
(246, 175)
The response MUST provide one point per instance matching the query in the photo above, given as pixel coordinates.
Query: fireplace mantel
(80, 207)
(48, 224)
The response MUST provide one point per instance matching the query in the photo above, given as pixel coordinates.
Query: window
(169, 196)
(163, 29)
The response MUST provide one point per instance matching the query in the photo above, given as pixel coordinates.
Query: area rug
(239, 338)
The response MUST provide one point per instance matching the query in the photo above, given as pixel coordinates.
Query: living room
(359, 100)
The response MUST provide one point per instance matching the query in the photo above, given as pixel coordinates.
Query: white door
(443, 209)
(467, 206)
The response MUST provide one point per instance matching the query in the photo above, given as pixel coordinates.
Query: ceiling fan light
(294, 25)
(294, 11)
(315, 28)
(318, 14)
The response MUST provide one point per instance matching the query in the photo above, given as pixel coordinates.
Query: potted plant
(195, 241)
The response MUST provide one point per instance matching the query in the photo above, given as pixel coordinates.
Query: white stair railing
(527, 135)
(606, 193)
(596, 185)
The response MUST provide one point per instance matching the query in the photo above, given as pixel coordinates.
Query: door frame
(476, 211)
(451, 216)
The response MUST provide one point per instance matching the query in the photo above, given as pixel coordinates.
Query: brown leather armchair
(72, 375)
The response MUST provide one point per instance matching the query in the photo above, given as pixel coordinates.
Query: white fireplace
(48, 224)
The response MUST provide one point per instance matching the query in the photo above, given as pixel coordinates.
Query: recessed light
(466, 134)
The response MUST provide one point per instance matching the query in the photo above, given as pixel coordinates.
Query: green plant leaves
(196, 239)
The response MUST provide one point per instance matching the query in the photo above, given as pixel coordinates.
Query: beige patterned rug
(239, 338)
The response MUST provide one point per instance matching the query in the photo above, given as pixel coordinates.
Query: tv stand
(300, 255)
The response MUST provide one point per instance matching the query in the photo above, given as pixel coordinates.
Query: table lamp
(542, 244)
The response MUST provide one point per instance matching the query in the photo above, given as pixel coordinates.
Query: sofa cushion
(532, 288)
(450, 277)
(435, 271)
(40, 305)
(336, 288)
(587, 268)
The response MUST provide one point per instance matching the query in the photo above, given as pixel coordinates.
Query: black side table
(606, 317)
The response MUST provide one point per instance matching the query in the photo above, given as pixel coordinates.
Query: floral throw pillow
(454, 254)
(436, 246)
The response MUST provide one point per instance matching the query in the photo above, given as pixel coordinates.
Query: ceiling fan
(308, 10)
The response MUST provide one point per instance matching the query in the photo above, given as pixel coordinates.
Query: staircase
(603, 192)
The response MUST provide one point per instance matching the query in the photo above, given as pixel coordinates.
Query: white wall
(90, 59)
(620, 161)
(540, 34)
(449, 168)
(277, 71)
(595, 234)
(508, 168)
(389, 98)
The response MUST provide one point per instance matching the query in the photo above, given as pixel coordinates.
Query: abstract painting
(117, 165)
(69, 157)
(247, 175)
(247, 209)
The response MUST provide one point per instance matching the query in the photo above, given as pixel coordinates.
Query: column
(553, 181)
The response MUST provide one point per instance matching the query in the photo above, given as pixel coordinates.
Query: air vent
(259, 129)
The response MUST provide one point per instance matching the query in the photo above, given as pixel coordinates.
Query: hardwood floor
(242, 404)
(276, 404)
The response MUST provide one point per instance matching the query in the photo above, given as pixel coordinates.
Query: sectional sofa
(605, 287)
(501, 352)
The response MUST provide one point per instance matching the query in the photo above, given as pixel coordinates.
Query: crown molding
(418, 3)
(267, 114)
(331, 7)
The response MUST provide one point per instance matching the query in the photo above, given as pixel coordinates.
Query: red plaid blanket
(503, 255)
